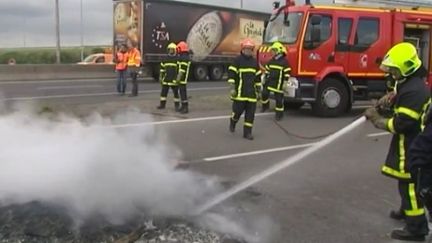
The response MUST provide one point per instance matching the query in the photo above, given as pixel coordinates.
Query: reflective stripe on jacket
(183, 67)
(245, 74)
(277, 71)
(168, 71)
(411, 97)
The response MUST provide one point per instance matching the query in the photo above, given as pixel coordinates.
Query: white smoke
(94, 169)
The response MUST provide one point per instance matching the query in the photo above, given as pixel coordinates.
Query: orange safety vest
(134, 58)
(122, 59)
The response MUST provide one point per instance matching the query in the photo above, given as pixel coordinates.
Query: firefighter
(420, 158)
(134, 63)
(168, 75)
(409, 100)
(244, 79)
(183, 66)
(277, 73)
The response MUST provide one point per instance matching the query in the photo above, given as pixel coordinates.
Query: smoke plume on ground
(93, 169)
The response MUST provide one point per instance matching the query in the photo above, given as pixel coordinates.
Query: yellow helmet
(172, 46)
(278, 47)
(404, 57)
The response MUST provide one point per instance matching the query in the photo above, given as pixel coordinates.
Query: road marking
(209, 118)
(265, 151)
(97, 94)
(65, 81)
(378, 134)
(68, 87)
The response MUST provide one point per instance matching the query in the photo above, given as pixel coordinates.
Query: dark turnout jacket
(411, 99)
(245, 74)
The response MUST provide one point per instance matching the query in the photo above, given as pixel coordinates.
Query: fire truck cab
(335, 51)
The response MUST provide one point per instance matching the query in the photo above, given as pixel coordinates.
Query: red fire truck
(335, 51)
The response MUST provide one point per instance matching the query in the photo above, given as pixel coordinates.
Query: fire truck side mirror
(276, 5)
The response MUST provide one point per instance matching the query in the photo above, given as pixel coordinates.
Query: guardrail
(24, 72)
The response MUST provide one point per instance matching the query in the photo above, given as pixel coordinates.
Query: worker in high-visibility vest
(121, 59)
(134, 64)
(168, 75)
(409, 100)
(277, 73)
(183, 68)
(245, 87)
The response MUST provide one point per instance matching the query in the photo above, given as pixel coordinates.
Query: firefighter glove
(233, 91)
(258, 95)
(380, 123)
(386, 102)
(372, 114)
(179, 77)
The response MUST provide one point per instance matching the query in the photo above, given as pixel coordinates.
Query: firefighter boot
(247, 133)
(162, 105)
(265, 107)
(232, 125)
(405, 235)
(185, 108)
(397, 214)
(279, 115)
(177, 106)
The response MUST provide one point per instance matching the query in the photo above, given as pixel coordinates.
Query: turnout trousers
(238, 107)
(412, 207)
(164, 95)
(279, 98)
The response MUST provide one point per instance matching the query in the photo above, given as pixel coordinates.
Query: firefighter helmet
(403, 57)
(182, 47)
(247, 43)
(278, 47)
(172, 46)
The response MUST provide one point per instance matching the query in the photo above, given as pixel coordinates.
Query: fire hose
(278, 167)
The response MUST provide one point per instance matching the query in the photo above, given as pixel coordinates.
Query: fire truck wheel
(332, 98)
(216, 72)
(200, 72)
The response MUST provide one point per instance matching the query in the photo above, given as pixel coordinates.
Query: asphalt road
(335, 195)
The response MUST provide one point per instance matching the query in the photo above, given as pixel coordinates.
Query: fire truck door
(317, 45)
(369, 43)
(420, 36)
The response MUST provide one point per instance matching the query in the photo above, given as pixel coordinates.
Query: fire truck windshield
(277, 30)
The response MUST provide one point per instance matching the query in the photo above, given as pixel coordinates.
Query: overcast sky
(31, 22)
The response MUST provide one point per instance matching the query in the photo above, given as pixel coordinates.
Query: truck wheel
(293, 105)
(332, 98)
(200, 72)
(216, 72)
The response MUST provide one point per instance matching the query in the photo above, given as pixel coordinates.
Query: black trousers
(183, 93)
(279, 98)
(413, 208)
(165, 90)
(133, 72)
(248, 108)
